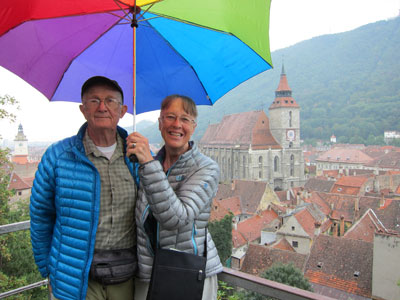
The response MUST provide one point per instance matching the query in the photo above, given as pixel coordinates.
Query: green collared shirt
(116, 228)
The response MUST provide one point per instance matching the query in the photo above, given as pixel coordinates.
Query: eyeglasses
(111, 103)
(185, 120)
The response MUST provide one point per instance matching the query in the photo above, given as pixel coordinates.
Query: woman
(176, 190)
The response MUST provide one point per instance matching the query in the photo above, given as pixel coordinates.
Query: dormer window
(356, 274)
(320, 264)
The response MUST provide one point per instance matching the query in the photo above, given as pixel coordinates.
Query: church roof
(241, 130)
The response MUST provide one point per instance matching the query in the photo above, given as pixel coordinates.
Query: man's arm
(42, 210)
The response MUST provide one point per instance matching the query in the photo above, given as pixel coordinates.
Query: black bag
(113, 266)
(177, 275)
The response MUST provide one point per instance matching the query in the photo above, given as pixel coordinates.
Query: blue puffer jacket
(64, 211)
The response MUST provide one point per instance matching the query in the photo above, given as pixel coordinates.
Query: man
(82, 205)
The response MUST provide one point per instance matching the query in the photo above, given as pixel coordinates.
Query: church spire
(283, 94)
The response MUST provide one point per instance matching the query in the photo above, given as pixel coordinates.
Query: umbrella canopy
(201, 49)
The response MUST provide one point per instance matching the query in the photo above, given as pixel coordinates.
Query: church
(252, 146)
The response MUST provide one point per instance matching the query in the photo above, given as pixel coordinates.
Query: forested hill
(347, 84)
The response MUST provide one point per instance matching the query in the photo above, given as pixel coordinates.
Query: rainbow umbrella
(153, 48)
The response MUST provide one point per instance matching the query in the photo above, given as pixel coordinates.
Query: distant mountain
(347, 84)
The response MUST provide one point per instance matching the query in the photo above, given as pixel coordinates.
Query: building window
(260, 167)
(244, 166)
(293, 228)
(276, 164)
(292, 165)
(290, 119)
(295, 244)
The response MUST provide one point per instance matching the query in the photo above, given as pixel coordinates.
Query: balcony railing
(233, 278)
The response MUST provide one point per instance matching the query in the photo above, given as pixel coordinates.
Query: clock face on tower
(290, 135)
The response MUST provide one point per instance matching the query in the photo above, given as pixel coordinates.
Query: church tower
(284, 116)
(20, 155)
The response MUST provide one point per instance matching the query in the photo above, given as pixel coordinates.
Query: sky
(291, 21)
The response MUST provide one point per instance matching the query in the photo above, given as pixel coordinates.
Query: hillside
(347, 84)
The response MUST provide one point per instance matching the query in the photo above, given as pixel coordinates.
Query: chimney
(233, 185)
(341, 225)
(335, 229)
(287, 195)
(234, 223)
(382, 200)
(317, 229)
(357, 204)
(298, 199)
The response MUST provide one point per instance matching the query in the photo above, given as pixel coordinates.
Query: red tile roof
(251, 228)
(283, 94)
(218, 211)
(249, 192)
(390, 160)
(241, 130)
(352, 181)
(365, 228)
(319, 200)
(349, 185)
(260, 258)
(283, 244)
(238, 239)
(307, 221)
(16, 183)
(340, 263)
(345, 155)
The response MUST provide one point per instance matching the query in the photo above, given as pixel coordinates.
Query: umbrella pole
(134, 25)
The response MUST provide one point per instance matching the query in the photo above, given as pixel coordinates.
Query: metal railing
(234, 278)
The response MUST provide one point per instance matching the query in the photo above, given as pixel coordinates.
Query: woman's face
(176, 127)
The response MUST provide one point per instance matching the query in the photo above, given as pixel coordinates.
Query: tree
(6, 101)
(287, 274)
(221, 231)
(283, 273)
(17, 266)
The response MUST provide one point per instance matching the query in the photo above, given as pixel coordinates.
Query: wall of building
(251, 164)
(386, 266)
(280, 121)
(390, 182)
(294, 233)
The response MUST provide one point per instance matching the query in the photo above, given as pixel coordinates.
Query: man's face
(176, 127)
(103, 115)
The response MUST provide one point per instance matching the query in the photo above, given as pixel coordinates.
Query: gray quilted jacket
(181, 202)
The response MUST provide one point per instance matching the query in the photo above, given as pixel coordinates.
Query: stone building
(251, 146)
